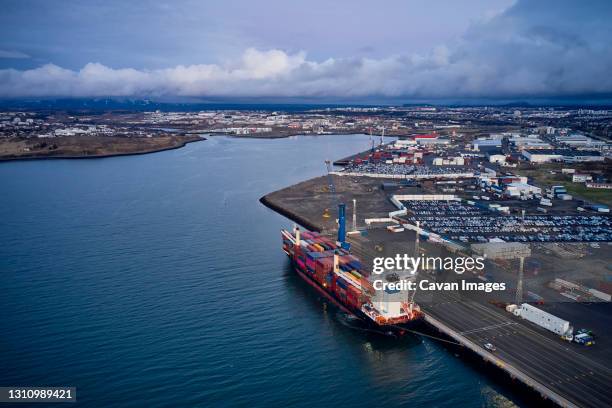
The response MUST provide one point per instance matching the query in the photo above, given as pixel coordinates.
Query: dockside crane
(331, 187)
(341, 220)
(371, 140)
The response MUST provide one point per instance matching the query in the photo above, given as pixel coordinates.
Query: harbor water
(159, 280)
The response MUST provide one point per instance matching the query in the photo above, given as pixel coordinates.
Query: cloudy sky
(323, 50)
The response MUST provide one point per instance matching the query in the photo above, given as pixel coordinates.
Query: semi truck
(552, 323)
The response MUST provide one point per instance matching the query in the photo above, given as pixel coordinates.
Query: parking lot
(394, 169)
(462, 222)
(381, 168)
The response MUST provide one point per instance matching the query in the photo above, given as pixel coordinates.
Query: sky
(396, 50)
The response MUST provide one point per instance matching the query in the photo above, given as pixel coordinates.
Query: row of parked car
(473, 224)
(395, 169)
(441, 208)
(381, 168)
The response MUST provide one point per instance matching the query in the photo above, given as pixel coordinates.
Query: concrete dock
(528, 354)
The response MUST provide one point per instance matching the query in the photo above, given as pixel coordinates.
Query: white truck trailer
(545, 319)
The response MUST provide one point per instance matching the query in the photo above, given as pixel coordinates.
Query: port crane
(331, 186)
(341, 220)
(332, 189)
(371, 139)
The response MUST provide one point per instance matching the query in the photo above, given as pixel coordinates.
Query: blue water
(158, 280)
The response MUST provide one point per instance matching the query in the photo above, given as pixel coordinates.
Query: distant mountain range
(148, 105)
(105, 104)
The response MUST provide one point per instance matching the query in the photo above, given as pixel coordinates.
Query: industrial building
(581, 178)
(578, 140)
(498, 249)
(479, 144)
(519, 189)
(542, 156)
(567, 155)
(449, 161)
(497, 158)
(529, 142)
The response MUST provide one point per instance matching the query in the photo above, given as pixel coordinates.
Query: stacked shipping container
(346, 283)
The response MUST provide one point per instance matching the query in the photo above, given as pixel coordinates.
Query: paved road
(542, 356)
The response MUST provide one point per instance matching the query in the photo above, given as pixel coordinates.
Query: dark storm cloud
(534, 48)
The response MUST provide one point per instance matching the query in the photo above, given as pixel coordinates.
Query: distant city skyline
(315, 51)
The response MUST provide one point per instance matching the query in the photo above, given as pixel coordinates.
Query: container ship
(331, 269)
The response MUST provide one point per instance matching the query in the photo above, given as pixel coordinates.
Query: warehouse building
(485, 144)
(498, 249)
(521, 190)
(567, 155)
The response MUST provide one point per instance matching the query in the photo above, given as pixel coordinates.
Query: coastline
(100, 156)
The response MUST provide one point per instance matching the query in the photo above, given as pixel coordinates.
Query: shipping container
(322, 267)
(342, 283)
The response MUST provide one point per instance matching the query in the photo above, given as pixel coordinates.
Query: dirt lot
(309, 200)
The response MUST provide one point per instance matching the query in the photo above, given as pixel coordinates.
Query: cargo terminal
(548, 327)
